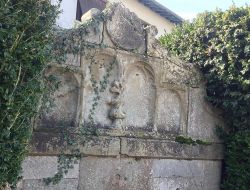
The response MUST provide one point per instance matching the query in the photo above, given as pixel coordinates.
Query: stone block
(126, 29)
(212, 175)
(186, 175)
(65, 184)
(51, 144)
(89, 32)
(39, 167)
(179, 74)
(107, 40)
(169, 149)
(203, 118)
(148, 174)
(93, 34)
(114, 174)
(47, 143)
(105, 146)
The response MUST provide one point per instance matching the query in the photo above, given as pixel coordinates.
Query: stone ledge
(53, 144)
(169, 149)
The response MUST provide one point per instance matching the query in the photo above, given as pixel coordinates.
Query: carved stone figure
(116, 114)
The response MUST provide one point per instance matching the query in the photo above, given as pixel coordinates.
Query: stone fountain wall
(151, 99)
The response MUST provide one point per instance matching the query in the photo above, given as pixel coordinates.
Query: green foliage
(74, 41)
(190, 141)
(219, 42)
(25, 37)
(78, 137)
(65, 162)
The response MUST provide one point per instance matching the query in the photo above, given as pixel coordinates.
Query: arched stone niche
(139, 96)
(63, 111)
(169, 112)
(98, 70)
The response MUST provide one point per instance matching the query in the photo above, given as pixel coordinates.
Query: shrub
(25, 37)
(219, 43)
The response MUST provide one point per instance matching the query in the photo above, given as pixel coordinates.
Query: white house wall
(67, 17)
(148, 15)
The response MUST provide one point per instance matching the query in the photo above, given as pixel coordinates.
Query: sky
(188, 9)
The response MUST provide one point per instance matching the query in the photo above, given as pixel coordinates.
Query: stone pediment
(114, 73)
(116, 47)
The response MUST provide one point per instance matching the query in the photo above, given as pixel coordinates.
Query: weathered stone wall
(151, 98)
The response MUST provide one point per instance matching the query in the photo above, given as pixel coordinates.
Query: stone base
(106, 173)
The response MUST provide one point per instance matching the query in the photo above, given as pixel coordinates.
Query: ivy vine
(190, 141)
(25, 51)
(73, 41)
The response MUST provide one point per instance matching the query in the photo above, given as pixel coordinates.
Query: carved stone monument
(146, 98)
(116, 114)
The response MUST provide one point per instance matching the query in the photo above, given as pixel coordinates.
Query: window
(84, 6)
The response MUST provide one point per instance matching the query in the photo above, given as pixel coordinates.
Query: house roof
(163, 11)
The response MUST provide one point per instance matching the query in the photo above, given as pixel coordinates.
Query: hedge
(25, 41)
(219, 43)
